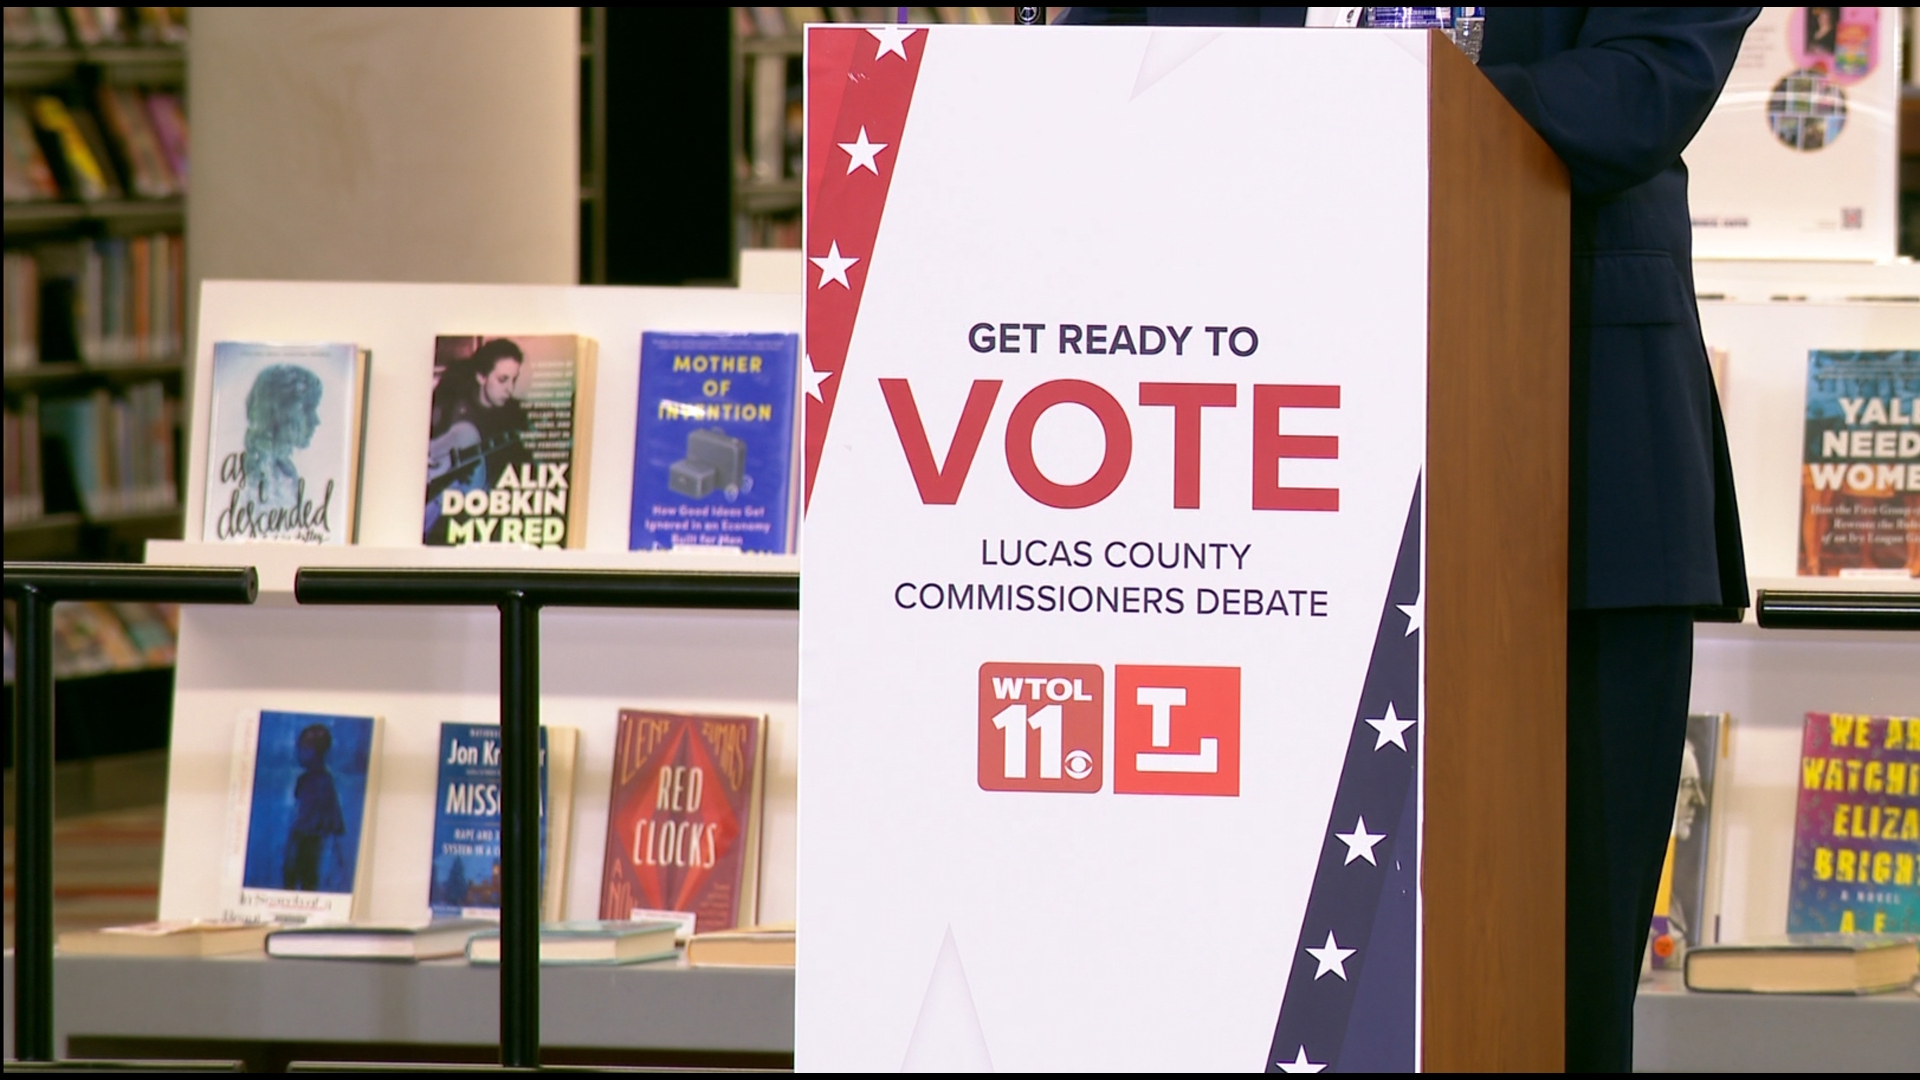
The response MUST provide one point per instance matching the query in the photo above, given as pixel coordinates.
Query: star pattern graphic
(1300, 1064)
(892, 39)
(1330, 957)
(833, 266)
(1360, 842)
(1392, 730)
(861, 153)
(1415, 612)
(816, 378)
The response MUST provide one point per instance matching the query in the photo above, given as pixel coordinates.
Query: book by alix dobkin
(683, 820)
(300, 817)
(1856, 833)
(508, 441)
(713, 446)
(466, 821)
(284, 442)
(1860, 477)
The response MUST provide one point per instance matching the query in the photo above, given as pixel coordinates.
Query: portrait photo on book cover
(309, 794)
(500, 405)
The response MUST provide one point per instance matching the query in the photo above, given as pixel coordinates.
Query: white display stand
(1770, 679)
(420, 667)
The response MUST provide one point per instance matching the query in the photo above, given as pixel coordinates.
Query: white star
(1300, 1064)
(892, 39)
(1391, 728)
(1360, 842)
(1415, 612)
(815, 379)
(861, 153)
(1330, 957)
(833, 266)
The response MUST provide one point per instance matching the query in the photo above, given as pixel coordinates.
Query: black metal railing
(1783, 609)
(519, 595)
(35, 588)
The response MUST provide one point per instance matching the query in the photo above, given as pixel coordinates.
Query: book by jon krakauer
(1856, 833)
(713, 460)
(466, 820)
(299, 809)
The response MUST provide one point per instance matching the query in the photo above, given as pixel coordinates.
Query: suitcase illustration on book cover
(683, 820)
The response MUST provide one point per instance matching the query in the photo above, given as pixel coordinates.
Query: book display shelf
(95, 282)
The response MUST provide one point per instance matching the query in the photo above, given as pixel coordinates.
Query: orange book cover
(683, 820)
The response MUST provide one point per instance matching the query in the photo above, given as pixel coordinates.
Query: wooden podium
(1495, 863)
(1394, 324)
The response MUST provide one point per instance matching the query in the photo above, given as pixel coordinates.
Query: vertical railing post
(520, 831)
(33, 818)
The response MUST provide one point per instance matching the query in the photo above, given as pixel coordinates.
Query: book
(284, 442)
(713, 448)
(1806, 964)
(466, 821)
(587, 941)
(300, 817)
(28, 177)
(1860, 472)
(754, 946)
(75, 149)
(508, 441)
(1686, 910)
(190, 937)
(1856, 832)
(429, 940)
(683, 819)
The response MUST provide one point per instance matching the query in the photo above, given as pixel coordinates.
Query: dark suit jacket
(1618, 93)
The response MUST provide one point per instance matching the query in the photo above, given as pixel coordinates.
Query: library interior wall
(385, 144)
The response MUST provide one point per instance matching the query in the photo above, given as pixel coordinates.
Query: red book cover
(683, 820)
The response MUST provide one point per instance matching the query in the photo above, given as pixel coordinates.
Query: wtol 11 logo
(1176, 729)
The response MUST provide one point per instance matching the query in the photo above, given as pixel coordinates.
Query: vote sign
(1110, 622)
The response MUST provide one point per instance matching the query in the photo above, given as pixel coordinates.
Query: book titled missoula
(466, 821)
(683, 819)
(713, 460)
(1856, 833)
(508, 441)
(1860, 474)
(284, 442)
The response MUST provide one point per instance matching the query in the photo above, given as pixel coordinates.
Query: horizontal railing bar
(547, 588)
(1780, 609)
(127, 582)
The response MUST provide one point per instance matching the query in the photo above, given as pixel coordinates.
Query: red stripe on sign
(859, 86)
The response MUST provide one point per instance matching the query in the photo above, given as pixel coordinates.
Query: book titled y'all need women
(300, 817)
(284, 442)
(683, 820)
(1856, 832)
(508, 441)
(1860, 468)
(713, 447)
(466, 821)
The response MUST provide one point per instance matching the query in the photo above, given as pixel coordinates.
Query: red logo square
(1176, 730)
(1041, 727)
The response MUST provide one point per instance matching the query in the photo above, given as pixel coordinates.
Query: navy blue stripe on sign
(1349, 1005)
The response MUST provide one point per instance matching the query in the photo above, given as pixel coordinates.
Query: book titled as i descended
(284, 442)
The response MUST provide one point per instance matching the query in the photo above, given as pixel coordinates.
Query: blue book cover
(466, 819)
(713, 449)
(284, 442)
(301, 802)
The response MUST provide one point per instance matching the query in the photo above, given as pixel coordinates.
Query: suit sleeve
(1621, 105)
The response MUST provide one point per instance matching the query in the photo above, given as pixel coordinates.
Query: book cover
(713, 460)
(1860, 481)
(466, 821)
(1684, 916)
(508, 441)
(300, 817)
(683, 819)
(1856, 833)
(587, 941)
(284, 445)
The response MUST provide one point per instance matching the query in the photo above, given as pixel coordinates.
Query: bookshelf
(95, 284)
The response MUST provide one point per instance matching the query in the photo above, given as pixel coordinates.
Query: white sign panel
(1800, 158)
(1110, 626)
